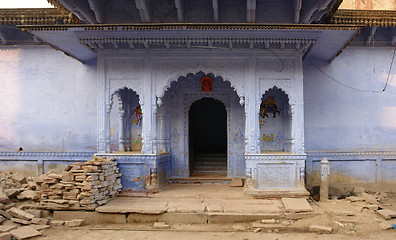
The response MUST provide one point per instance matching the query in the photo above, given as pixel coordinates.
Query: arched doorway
(208, 137)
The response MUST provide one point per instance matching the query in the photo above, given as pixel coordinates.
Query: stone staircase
(209, 164)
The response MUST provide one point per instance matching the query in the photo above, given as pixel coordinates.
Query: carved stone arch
(224, 99)
(118, 94)
(275, 88)
(285, 84)
(166, 84)
(134, 84)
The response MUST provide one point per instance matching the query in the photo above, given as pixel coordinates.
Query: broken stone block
(5, 214)
(239, 227)
(3, 196)
(296, 205)
(19, 178)
(45, 213)
(386, 213)
(236, 182)
(358, 190)
(2, 219)
(13, 192)
(355, 199)
(57, 223)
(5, 236)
(161, 225)
(28, 194)
(35, 212)
(369, 198)
(385, 226)
(20, 214)
(75, 223)
(25, 233)
(39, 221)
(320, 229)
(268, 221)
(20, 221)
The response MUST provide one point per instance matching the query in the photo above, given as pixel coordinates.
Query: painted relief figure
(269, 106)
(206, 84)
(137, 115)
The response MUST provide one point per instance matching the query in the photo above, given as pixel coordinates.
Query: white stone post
(122, 131)
(108, 128)
(324, 179)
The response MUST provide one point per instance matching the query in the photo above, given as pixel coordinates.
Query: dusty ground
(198, 232)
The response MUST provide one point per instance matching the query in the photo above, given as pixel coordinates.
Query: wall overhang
(83, 42)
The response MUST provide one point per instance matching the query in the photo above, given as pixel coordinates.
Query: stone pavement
(206, 204)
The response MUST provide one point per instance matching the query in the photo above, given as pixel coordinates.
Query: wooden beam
(215, 5)
(3, 38)
(179, 7)
(251, 11)
(371, 35)
(97, 6)
(141, 5)
(298, 4)
(83, 14)
(393, 36)
(308, 13)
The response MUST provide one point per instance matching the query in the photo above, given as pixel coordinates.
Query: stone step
(200, 181)
(210, 163)
(209, 167)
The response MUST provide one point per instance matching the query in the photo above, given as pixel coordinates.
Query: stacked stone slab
(81, 185)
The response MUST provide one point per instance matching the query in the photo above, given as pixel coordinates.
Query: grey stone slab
(187, 206)
(320, 229)
(7, 228)
(90, 217)
(25, 233)
(296, 205)
(386, 213)
(250, 208)
(5, 236)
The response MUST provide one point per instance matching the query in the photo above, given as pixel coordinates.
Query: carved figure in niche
(269, 106)
(137, 115)
(206, 84)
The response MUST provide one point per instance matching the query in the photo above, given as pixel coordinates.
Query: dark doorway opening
(208, 137)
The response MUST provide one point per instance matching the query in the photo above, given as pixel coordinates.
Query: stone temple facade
(212, 89)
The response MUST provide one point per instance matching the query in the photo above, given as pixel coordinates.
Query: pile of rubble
(15, 187)
(81, 185)
(24, 224)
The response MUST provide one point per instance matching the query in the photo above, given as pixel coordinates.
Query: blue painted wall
(48, 101)
(339, 118)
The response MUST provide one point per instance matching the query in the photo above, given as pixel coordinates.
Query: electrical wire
(390, 69)
(356, 89)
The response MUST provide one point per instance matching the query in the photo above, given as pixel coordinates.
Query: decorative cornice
(365, 17)
(314, 154)
(199, 42)
(45, 154)
(191, 26)
(36, 16)
(274, 157)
